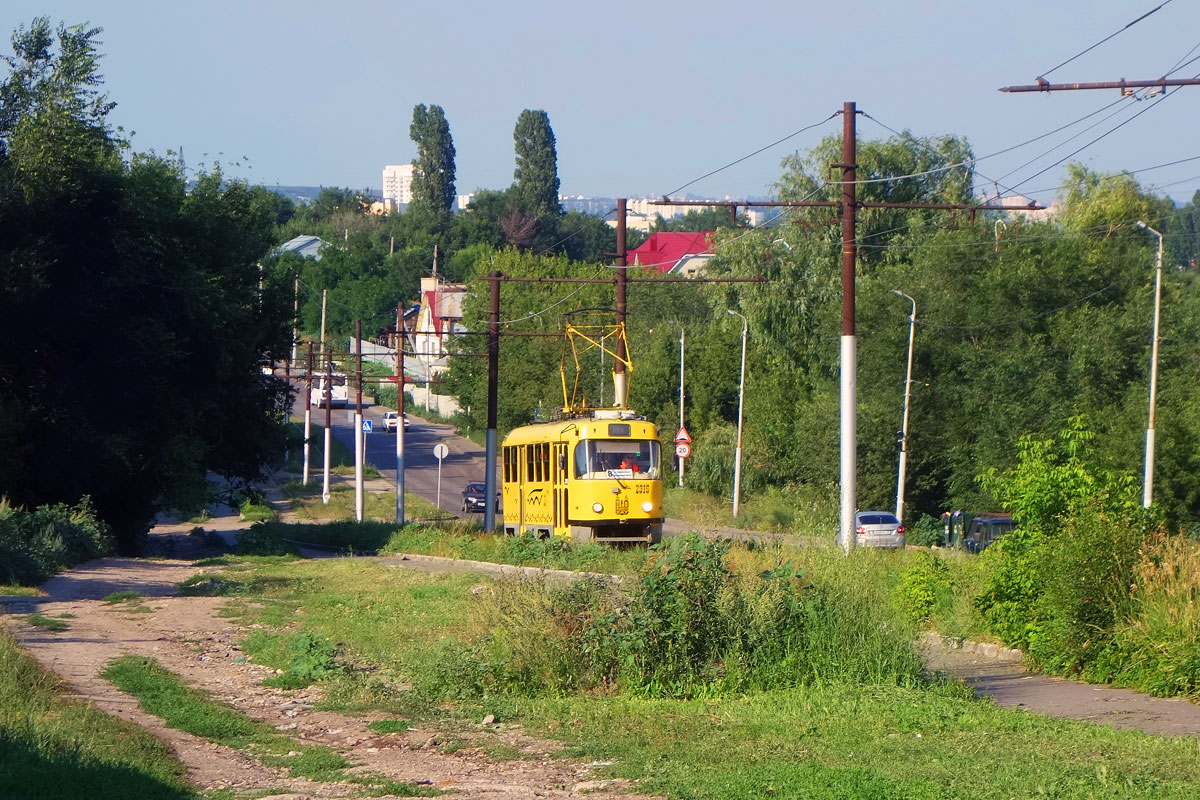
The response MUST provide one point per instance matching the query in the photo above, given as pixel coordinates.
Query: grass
(14, 590)
(162, 694)
(802, 512)
(121, 597)
(824, 737)
(306, 498)
(341, 457)
(55, 749)
(48, 623)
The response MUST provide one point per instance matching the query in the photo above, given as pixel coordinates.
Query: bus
(590, 478)
(339, 391)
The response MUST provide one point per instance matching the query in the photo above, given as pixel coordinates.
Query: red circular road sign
(683, 450)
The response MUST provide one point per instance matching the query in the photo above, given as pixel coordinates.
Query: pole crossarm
(1032, 206)
(1126, 87)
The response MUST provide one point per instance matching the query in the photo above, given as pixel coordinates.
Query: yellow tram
(594, 477)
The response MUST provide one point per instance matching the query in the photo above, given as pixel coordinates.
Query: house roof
(664, 249)
(444, 304)
(304, 245)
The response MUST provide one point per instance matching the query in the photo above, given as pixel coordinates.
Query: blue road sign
(366, 426)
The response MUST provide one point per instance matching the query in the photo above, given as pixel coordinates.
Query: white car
(389, 421)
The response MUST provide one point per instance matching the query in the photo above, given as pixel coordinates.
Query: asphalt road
(464, 463)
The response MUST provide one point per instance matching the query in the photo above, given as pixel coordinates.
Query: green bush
(922, 586)
(925, 532)
(36, 544)
(686, 626)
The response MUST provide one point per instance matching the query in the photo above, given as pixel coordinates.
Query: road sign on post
(683, 450)
(440, 451)
(682, 436)
(366, 426)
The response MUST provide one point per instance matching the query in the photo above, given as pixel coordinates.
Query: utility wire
(1106, 38)
(751, 155)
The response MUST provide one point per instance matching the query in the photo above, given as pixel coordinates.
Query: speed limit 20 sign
(683, 449)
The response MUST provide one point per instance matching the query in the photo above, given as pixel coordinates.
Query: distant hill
(306, 194)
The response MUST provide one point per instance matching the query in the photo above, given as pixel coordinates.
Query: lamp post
(912, 324)
(737, 453)
(1148, 488)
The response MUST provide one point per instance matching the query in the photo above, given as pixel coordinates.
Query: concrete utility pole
(682, 332)
(1148, 480)
(324, 294)
(737, 453)
(912, 324)
(359, 443)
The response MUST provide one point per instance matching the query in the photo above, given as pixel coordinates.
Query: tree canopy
(536, 174)
(135, 316)
(433, 168)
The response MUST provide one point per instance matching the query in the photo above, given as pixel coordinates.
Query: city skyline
(643, 98)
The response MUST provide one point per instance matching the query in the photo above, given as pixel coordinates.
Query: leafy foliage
(36, 544)
(536, 174)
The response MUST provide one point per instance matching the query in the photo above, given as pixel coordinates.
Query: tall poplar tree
(536, 186)
(433, 168)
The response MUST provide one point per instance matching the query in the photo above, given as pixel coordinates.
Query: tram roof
(580, 427)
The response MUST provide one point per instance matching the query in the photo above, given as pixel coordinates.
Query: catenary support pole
(493, 400)
(737, 453)
(328, 425)
(324, 297)
(304, 477)
(620, 376)
(400, 414)
(359, 437)
(849, 377)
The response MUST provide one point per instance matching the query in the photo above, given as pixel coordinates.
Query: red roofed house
(679, 253)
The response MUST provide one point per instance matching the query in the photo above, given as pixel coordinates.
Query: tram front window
(622, 458)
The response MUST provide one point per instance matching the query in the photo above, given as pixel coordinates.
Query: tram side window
(507, 464)
(581, 465)
(529, 462)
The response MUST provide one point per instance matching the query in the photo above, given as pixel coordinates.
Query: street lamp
(912, 324)
(1148, 488)
(737, 453)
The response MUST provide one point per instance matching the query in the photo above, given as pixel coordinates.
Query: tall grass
(53, 749)
(687, 625)
(1157, 648)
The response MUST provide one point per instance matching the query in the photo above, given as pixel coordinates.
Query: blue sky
(643, 96)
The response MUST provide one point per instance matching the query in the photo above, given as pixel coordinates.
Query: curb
(995, 652)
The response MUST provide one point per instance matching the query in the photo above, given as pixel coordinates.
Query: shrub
(925, 532)
(922, 585)
(36, 544)
(687, 626)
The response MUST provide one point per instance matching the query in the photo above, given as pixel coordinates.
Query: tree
(42, 81)
(433, 168)
(135, 316)
(536, 175)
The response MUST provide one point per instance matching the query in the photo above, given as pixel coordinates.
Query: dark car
(985, 529)
(474, 497)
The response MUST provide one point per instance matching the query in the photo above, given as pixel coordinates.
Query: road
(464, 463)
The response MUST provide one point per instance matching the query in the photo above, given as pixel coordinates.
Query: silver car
(878, 529)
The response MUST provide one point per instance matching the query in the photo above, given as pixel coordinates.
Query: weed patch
(121, 597)
(47, 623)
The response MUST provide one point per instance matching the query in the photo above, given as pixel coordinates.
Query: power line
(1102, 41)
(751, 155)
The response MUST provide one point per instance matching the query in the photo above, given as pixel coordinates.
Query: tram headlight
(647, 506)
(597, 507)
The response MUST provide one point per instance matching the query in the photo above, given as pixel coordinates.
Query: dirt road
(188, 637)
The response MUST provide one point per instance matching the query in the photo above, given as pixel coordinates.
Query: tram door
(558, 463)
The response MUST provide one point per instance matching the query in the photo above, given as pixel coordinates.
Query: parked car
(985, 529)
(474, 497)
(878, 529)
(389, 421)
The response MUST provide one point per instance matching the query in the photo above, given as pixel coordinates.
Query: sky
(644, 97)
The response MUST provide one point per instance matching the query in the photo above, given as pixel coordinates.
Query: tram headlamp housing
(647, 506)
(597, 507)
